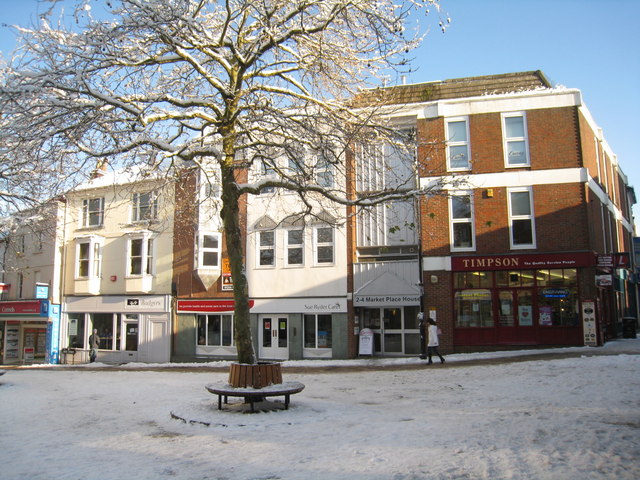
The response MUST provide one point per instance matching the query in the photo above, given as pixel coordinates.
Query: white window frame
(317, 245)
(260, 248)
(530, 217)
(136, 215)
(93, 260)
(147, 255)
(506, 140)
(451, 142)
(88, 210)
(453, 221)
(202, 250)
(292, 246)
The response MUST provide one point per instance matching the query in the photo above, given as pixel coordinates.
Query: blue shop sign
(555, 293)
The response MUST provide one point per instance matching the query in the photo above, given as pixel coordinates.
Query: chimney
(101, 168)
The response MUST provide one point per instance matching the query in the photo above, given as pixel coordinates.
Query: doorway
(515, 316)
(274, 337)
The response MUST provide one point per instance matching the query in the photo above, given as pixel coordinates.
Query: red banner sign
(206, 306)
(522, 262)
(35, 308)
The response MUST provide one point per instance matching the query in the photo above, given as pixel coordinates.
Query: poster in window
(545, 315)
(525, 315)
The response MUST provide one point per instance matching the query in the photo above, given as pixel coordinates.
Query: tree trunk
(233, 235)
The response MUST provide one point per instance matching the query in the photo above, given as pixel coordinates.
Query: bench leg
(286, 401)
(219, 402)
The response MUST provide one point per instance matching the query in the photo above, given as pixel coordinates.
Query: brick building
(526, 240)
(528, 245)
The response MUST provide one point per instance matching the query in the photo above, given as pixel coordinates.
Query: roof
(456, 88)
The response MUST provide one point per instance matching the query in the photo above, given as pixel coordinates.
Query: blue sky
(592, 45)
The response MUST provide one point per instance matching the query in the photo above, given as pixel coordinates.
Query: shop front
(282, 329)
(130, 328)
(297, 328)
(204, 329)
(529, 299)
(29, 332)
(387, 301)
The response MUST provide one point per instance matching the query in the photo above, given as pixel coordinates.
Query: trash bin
(629, 327)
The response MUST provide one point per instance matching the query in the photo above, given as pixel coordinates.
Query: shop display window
(76, 330)
(317, 331)
(215, 330)
(473, 308)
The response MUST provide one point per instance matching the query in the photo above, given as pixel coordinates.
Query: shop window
(109, 330)
(317, 331)
(521, 218)
(515, 143)
(473, 279)
(76, 329)
(267, 248)
(323, 245)
(457, 132)
(558, 297)
(462, 227)
(473, 308)
(92, 212)
(215, 330)
(515, 278)
(295, 247)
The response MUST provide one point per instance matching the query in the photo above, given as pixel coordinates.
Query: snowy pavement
(563, 418)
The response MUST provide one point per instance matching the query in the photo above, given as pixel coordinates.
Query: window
(145, 207)
(109, 330)
(209, 250)
(88, 258)
(268, 172)
(141, 256)
(295, 247)
(215, 330)
(521, 224)
(324, 246)
(457, 132)
(92, 212)
(76, 330)
(266, 249)
(324, 171)
(20, 285)
(317, 331)
(462, 228)
(514, 131)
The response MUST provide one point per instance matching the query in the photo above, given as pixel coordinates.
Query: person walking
(94, 344)
(432, 346)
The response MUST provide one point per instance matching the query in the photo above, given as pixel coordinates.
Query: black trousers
(431, 351)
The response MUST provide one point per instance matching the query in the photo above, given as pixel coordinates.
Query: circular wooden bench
(252, 395)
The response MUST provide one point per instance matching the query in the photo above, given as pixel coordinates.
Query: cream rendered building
(118, 267)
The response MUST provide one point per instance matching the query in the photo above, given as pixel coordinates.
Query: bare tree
(199, 82)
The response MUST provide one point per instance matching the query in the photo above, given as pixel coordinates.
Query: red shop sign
(206, 306)
(522, 262)
(37, 308)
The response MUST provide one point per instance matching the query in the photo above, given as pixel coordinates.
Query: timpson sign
(523, 262)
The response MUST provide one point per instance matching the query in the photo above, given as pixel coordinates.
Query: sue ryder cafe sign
(523, 262)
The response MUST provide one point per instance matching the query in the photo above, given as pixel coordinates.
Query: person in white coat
(433, 343)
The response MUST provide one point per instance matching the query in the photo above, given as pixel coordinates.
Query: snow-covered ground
(570, 418)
